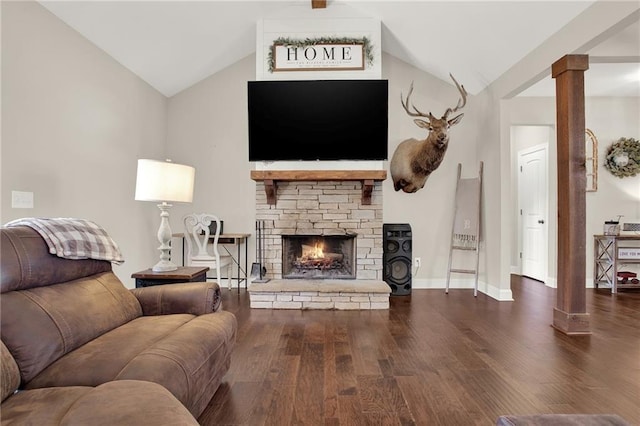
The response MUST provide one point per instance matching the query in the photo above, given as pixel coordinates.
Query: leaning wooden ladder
(465, 231)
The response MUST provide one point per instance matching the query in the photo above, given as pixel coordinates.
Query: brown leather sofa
(80, 348)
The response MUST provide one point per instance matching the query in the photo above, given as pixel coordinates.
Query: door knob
(540, 221)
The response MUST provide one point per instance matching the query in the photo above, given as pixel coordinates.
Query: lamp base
(164, 266)
(164, 236)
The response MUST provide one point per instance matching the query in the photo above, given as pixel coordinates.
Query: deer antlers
(461, 102)
(405, 103)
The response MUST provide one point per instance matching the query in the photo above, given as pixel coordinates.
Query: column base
(571, 324)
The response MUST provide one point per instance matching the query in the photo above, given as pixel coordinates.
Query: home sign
(321, 56)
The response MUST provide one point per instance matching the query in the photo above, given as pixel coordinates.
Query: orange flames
(313, 252)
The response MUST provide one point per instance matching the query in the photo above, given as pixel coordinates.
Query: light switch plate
(21, 200)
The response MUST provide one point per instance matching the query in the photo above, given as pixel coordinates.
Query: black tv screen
(318, 120)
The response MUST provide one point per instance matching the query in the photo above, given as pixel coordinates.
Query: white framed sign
(319, 56)
(299, 28)
(629, 253)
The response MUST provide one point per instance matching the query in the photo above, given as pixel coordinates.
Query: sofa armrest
(183, 298)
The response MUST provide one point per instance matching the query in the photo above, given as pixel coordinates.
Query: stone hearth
(320, 294)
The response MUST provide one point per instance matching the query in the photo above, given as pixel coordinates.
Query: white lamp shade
(164, 181)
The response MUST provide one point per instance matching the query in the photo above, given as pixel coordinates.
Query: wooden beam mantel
(318, 4)
(271, 178)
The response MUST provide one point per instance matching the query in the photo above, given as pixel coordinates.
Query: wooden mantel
(271, 178)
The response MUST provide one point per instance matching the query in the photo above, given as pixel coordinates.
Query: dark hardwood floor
(431, 359)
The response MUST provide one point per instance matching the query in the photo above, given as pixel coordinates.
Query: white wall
(611, 119)
(74, 121)
(207, 128)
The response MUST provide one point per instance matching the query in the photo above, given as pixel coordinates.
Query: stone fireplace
(341, 211)
(323, 208)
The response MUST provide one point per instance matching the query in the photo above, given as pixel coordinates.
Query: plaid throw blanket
(74, 238)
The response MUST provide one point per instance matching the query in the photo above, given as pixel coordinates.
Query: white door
(532, 189)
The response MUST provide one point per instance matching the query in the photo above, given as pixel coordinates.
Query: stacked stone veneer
(320, 294)
(322, 208)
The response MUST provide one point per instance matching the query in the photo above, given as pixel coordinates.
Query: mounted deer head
(414, 160)
(438, 127)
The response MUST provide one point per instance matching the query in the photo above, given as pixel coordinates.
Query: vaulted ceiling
(174, 44)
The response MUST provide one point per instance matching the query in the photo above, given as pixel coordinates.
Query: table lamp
(164, 182)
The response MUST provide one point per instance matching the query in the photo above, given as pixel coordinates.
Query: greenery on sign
(290, 42)
(623, 158)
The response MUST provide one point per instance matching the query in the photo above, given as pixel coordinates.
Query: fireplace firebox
(319, 256)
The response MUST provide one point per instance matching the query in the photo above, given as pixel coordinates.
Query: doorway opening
(532, 147)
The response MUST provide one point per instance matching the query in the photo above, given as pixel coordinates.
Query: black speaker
(397, 257)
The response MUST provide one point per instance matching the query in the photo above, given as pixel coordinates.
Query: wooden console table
(607, 259)
(183, 274)
(271, 178)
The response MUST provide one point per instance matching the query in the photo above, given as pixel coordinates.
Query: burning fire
(313, 252)
(315, 257)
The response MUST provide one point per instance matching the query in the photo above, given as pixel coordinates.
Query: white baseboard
(502, 295)
(553, 282)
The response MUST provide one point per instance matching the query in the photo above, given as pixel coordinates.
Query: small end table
(183, 274)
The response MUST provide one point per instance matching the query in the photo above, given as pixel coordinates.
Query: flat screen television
(318, 120)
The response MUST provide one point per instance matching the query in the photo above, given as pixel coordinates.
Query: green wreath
(289, 42)
(623, 158)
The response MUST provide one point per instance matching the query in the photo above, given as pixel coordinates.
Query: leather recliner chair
(72, 323)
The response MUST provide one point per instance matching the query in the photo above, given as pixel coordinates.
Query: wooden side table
(183, 274)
